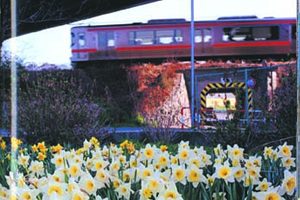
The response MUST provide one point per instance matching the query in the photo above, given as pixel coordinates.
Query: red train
(170, 38)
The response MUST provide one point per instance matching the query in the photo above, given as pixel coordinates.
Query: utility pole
(192, 65)
(13, 79)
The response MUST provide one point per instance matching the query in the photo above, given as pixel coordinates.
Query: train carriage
(170, 38)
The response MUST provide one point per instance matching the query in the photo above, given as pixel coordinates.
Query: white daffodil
(254, 174)
(99, 164)
(58, 160)
(162, 160)
(26, 193)
(87, 183)
(170, 193)
(102, 177)
(184, 145)
(288, 162)
(145, 192)
(289, 183)
(238, 173)
(270, 194)
(145, 172)
(219, 152)
(235, 152)
(57, 176)
(74, 170)
(285, 150)
(23, 160)
(36, 168)
(78, 194)
(124, 191)
(179, 174)
(148, 152)
(55, 190)
(184, 154)
(268, 151)
(114, 167)
(195, 176)
(264, 185)
(224, 171)
(155, 184)
(165, 175)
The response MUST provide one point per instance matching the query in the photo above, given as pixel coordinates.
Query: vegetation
(150, 172)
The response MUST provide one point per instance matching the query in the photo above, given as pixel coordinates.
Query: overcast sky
(53, 45)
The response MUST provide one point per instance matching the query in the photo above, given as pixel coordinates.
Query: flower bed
(122, 172)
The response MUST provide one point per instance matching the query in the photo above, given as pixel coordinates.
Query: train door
(293, 38)
(203, 37)
(106, 44)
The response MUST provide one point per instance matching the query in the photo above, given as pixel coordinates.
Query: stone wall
(168, 114)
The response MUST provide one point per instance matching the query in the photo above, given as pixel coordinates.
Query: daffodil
(2, 144)
(58, 160)
(145, 172)
(219, 152)
(87, 183)
(42, 147)
(163, 148)
(238, 173)
(162, 160)
(145, 193)
(124, 191)
(78, 194)
(268, 151)
(224, 171)
(289, 183)
(56, 149)
(195, 176)
(264, 185)
(183, 155)
(55, 190)
(99, 164)
(23, 160)
(26, 193)
(102, 177)
(36, 168)
(74, 170)
(288, 162)
(179, 174)
(95, 142)
(271, 194)
(170, 193)
(235, 152)
(254, 174)
(285, 150)
(148, 152)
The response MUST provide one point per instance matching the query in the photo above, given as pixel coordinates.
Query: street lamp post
(192, 65)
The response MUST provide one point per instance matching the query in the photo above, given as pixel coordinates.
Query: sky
(53, 45)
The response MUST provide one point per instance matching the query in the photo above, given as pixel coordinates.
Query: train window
(110, 39)
(198, 36)
(203, 35)
(144, 37)
(178, 36)
(250, 33)
(72, 39)
(265, 33)
(165, 36)
(207, 35)
(294, 32)
(81, 39)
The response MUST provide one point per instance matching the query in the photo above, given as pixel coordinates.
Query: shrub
(284, 107)
(58, 106)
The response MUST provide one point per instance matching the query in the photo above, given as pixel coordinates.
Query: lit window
(81, 39)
